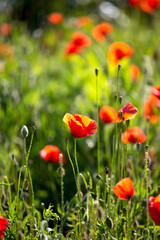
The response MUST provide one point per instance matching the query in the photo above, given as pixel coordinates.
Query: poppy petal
(124, 189)
(128, 112)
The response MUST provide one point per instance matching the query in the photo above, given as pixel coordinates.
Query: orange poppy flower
(149, 5)
(107, 114)
(154, 209)
(118, 50)
(128, 112)
(55, 18)
(156, 91)
(124, 189)
(83, 21)
(101, 31)
(51, 153)
(135, 72)
(71, 48)
(151, 109)
(3, 225)
(5, 29)
(133, 135)
(80, 126)
(80, 39)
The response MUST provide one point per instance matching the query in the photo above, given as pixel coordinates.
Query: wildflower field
(79, 120)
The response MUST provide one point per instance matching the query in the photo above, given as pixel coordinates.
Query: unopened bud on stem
(24, 131)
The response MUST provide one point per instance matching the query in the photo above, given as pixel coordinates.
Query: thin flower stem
(128, 220)
(32, 199)
(73, 169)
(18, 189)
(78, 177)
(9, 189)
(146, 178)
(98, 132)
(78, 185)
(27, 157)
(62, 191)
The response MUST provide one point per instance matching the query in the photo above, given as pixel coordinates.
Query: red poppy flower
(151, 109)
(154, 209)
(149, 5)
(124, 189)
(51, 153)
(83, 21)
(133, 135)
(71, 48)
(80, 39)
(119, 50)
(80, 126)
(156, 91)
(5, 29)
(55, 18)
(135, 72)
(107, 114)
(128, 112)
(134, 2)
(3, 226)
(101, 30)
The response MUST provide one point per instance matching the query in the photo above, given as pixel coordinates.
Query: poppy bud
(99, 177)
(119, 67)
(146, 148)
(109, 222)
(33, 128)
(96, 71)
(138, 146)
(106, 171)
(121, 115)
(24, 131)
(120, 99)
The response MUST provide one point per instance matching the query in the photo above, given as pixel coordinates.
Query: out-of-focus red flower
(107, 114)
(6, 51)
(156, 91)
(51, 153)
(101, 31)
(154, 209)
(71, 48)
(80, 126)
(133, 135)
(124, 189)
(80, 39)
(149, 5)
(83, 21)
(145, 5)
(118, 50)
(55, 18)
(5, 29)
(3, 225)
(78, 42)
(134, 2)
(151, 109)
(135, 72)
(128, 112)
